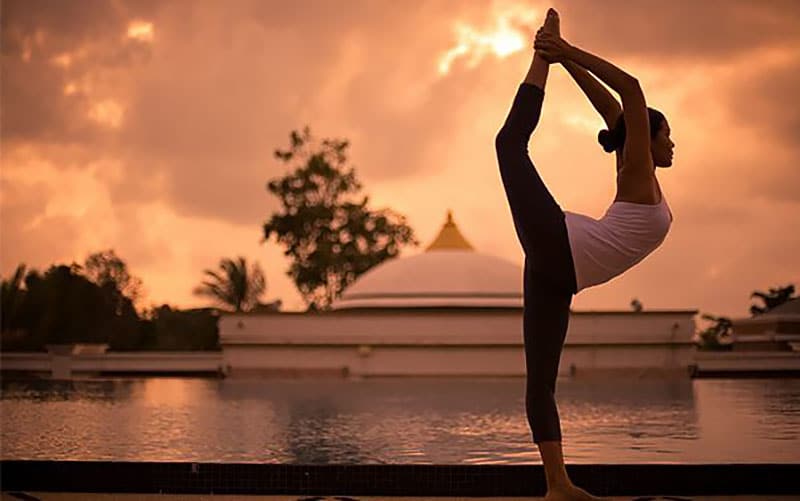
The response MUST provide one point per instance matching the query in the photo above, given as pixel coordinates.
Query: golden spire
(449, 237)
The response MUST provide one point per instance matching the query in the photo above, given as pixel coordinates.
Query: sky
(149, 127)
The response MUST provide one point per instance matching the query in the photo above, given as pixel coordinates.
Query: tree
(235, 286)
(775, 297)
(106, 268)
(12, 297)
(718, 336)
(63, 306)
(636, 305)
(175, 329)
(330, 239)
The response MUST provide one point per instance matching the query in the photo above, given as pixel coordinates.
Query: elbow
(630, 86)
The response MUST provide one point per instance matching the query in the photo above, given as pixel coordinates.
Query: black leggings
(549, 275)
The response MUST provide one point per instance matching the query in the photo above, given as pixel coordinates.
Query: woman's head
(661, 145)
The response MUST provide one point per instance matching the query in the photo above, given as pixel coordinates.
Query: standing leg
(544, 323)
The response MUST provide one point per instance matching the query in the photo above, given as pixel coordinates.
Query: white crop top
(604, 248)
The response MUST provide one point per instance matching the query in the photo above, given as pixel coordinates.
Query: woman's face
(661, 146)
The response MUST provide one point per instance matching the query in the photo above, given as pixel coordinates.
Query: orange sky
(148, 127)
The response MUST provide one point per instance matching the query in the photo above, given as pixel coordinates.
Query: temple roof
(450, 273)
(449, 237)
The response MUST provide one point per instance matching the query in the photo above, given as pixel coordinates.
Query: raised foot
(571, 493)
(552, 23)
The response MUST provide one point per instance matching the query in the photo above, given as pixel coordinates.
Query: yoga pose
(567, 252)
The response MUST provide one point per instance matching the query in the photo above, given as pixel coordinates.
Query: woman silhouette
(568, 252)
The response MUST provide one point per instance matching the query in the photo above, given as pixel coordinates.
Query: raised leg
(533, 208)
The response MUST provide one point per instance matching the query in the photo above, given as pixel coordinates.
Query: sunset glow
(501, 39)
(141, 30)
(107, 112)
(63, 60)
(171, 134)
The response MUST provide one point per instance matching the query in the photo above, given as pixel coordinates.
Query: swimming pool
(398, 420)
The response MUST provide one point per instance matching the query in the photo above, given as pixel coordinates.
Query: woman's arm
(636, 154)
(601, 99)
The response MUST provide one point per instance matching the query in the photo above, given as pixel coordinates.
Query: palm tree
(775, 297)
(235, 286)
(11, 299)
(717, 336)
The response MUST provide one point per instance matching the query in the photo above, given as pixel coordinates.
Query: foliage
(106, 268)
(12, 297)
(63, 306)
(772, 299)
(173, 329)
(236, 286)
(717, 336)
(331, 239)
(71, 304)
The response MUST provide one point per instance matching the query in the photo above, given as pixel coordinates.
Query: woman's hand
(552, 47)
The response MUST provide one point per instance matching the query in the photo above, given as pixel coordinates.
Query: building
(766, 345)
(448, 311)
(777, 329)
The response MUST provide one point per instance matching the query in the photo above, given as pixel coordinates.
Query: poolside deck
(81, 496)
(110, 480)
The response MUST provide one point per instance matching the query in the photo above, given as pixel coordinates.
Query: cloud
(692, 32)
(166, 115)
(57, 61)
(30, 235)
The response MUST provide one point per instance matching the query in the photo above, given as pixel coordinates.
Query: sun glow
(141, 30)
(107, 112)
(63, 60)
(70, 89)
(504, 37)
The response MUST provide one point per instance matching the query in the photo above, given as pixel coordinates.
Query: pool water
(398, 420)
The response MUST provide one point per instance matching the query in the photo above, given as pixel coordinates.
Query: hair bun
(607, 140)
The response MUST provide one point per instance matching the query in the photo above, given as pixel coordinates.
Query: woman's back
(606, 247)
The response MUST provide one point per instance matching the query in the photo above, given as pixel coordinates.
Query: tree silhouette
(12, 296)
(774, 298)
(711, 337)
(106, 269)
(330, 239)
(63, 306)
(236, 286)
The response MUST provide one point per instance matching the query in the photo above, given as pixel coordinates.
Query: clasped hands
(552, 47)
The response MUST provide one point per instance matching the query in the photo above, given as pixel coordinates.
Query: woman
(567, 252)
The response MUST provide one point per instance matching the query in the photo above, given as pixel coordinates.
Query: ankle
(559, 484)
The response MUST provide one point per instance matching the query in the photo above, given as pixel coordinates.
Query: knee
(506, 142)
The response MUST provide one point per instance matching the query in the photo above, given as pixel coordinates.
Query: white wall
(448, 342)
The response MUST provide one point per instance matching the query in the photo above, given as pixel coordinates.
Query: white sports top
(604, 248)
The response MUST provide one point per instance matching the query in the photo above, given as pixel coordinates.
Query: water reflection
(420, 420)
(318, 431)
(84, 389)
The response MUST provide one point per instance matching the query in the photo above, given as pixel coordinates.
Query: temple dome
(448, 274)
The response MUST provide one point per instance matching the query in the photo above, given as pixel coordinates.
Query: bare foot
(571, 493)
(552, 23)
